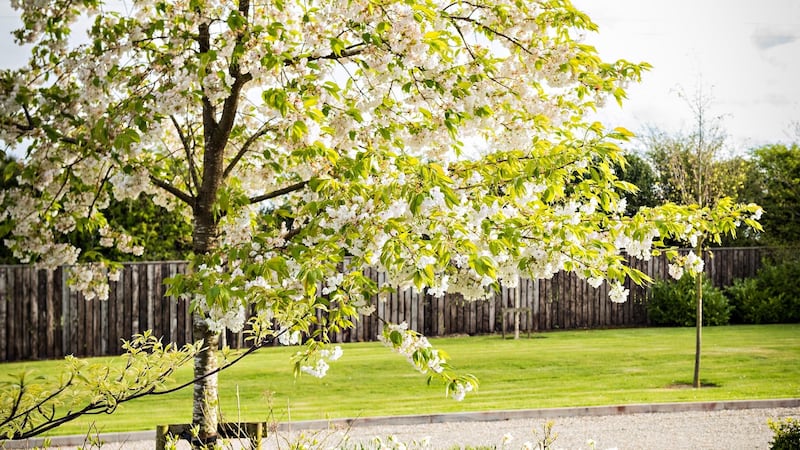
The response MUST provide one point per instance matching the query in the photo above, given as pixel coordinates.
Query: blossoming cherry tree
(442, 142)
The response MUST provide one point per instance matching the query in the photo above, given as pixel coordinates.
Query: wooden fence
(41, 318)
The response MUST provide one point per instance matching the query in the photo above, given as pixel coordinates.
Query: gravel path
(725, 429)
(740, 429)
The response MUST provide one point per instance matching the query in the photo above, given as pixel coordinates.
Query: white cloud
(745, 52)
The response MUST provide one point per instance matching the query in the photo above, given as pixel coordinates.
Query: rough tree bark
(205, 403)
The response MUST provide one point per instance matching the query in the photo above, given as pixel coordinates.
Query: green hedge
(772, 296)
(673, 303)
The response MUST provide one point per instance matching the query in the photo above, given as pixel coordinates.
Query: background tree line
(768, 175)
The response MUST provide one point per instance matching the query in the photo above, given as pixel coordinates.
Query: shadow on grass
(689, 385)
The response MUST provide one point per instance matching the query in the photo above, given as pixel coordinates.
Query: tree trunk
(699, 321)
(516, 313)
(205, 404)
(205, 399)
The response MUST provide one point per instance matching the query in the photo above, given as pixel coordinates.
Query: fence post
(161, 436)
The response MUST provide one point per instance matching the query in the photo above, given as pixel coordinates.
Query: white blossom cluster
(289, 337)
(461, 390)
(320, 368)
(412, 343)
(218, 319)
(690, 263)
(91, 280)
(421, 354)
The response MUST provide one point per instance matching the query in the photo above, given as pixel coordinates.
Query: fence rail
(41, 318)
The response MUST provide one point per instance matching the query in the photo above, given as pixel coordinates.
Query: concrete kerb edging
(486, 416)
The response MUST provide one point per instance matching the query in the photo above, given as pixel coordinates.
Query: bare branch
(279, 192)
(352, 50)
(99, 190)
(493, 31)
(184, 197)
(188, 149)
(245, 148)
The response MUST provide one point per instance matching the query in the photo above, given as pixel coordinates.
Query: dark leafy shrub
(786, 434)
(772, 296)
(673, 303)
(749, 305)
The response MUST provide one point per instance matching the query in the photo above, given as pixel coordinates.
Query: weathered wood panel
(40, 317)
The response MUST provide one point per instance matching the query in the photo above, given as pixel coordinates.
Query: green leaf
(337, 46)
(298, 130)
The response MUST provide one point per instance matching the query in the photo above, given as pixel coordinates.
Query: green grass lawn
(569, 368)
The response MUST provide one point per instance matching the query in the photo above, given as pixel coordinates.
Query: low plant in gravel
(787, 434)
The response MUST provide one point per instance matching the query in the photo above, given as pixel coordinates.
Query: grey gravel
(725, 429)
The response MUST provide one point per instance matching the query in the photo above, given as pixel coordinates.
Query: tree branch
(229, 110)
(279, 192)
(351, 50)
(188, 150)
(491, 30)
(245, 148)
(184, 197)
(102, 406)
(209, 112)
(99, 190)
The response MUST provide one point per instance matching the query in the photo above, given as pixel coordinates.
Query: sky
(743, 54)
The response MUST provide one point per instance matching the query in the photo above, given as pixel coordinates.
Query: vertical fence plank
(457, 325)
(173, 307)
(4, 301)
(54, 313)
(44, 329)
(61, 276)
(13, 307)
(97, 326)
(78, 306)
(408, 308)
(137, 285)
(149, 300)
(422, 310)
(114, 313)
(445, 308)
(481, 325)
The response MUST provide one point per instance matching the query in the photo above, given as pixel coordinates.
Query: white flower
(618, 294)
(439, 291)
(366, 310)
(507, 438)
(287, 338)
(332, 283)
(622, 206)
(694, 264)
(331, 355)
(319, 370)
(461, 391)
(675, 271)
(425, 261)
